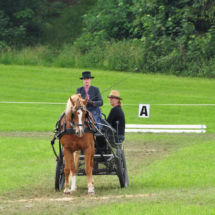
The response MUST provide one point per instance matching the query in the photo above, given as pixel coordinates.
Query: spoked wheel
(59, 175)
(122, 168)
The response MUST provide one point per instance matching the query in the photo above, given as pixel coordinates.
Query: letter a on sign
(144, 110)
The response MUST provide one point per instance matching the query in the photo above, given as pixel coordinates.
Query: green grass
(186, 168)
(20, 156)
(41, 84)
(176, 168)
(154, 208)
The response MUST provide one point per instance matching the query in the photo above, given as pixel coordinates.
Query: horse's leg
(88, 170)
(74, 170)
(77, 158)
(67, 157)
(92, 159)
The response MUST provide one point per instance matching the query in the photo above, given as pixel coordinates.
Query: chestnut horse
(75, 117)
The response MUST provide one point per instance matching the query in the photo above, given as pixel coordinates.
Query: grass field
(53, 85)
(169, 173)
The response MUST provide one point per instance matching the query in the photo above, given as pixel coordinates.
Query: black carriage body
(104, 160)
(109, 159)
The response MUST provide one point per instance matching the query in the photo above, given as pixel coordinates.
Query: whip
(132, 74)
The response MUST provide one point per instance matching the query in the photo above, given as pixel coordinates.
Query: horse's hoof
(66, 193)
(91, 193)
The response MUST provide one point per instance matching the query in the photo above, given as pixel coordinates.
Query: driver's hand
(90, 103)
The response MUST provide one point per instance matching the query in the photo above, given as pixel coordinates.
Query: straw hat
(114, 94)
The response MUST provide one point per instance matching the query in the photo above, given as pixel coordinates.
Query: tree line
(184, 30)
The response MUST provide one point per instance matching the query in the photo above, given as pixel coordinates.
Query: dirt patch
(69, 199)
(26, 134)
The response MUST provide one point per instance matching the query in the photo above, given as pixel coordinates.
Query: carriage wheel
(59, 175)
(122, 168)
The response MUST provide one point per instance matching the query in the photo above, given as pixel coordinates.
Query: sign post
(144, 111)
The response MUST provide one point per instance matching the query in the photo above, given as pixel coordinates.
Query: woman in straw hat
(94, 96)
(117, 114)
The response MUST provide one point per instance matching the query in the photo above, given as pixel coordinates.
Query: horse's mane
(75, 99)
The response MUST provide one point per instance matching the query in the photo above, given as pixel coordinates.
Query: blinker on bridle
(72, 114)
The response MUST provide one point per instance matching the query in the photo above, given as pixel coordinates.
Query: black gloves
(90, 103)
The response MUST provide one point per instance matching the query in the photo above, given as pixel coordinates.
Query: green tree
(175, 19)
(65, 20)
(22, 21)
(107, 20)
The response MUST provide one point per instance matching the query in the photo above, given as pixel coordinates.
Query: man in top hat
(94, 97)
(117, 115)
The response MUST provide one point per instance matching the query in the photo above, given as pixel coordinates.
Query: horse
(76, 116)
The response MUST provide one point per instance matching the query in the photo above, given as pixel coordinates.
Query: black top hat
(86, 74)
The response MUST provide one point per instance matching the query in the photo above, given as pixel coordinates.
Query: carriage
(109, 157)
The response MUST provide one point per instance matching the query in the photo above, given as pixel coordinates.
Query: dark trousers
(119, 138)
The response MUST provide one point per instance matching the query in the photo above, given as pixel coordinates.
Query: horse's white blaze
(79, 120)
(73, 186)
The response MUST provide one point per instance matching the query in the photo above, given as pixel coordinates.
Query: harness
(60, 129)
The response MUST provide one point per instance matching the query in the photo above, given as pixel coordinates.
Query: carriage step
(110, 156)
(99, 172)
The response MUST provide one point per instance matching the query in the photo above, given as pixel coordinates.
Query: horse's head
(78, 113)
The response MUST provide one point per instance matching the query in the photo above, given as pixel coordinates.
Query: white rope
(183, 104)
(42, 103)
(54, 103)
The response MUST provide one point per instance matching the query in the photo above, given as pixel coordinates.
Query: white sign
(144, 110)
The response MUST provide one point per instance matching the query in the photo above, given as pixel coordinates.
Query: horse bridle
(72, 114)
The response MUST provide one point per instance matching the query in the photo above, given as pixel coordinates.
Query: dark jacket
(116, 114)
(93, 93)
